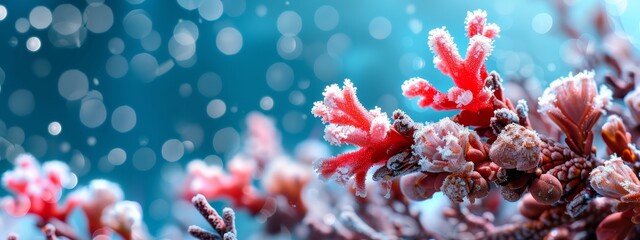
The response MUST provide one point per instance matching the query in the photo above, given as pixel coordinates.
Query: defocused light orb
(117, 156)
(93, 113)
(186, 32)
(91, 141)
(21, 102)
(380, 28)
(144, 66)
(152, 41)
(179, 51)
(229, 41)
(98, 17)
(226, 140)
(172, 150)
(3, 12)
(54, 128)
(266, 103)
(33, 44)
(22, 25)
(326, 18)
(234, 8)
(338, 44)
(123, 119)
(296, 98)
(15, 135)
(136, 24)
(73, 85)
(541, 23)
(40, 17)
(67, 19)
(116, 46)
(144, 159)
(117, 66)
(261, 10)
(279, 76)
(289, 47)
(289, 23)
(326, 67)
(415, 25)
(210, 9)
(190, 4)
(209, 84)
(216, 108)
(185, 90)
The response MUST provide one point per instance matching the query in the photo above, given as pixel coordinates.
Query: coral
(38, 189)
(442, 146)
(350, 123)
(95, 198)
(492, 141)
(224, 226)
(213, 182)
(263, 140)
(575, 106)
(516, 148)
(618, 139)
(125, 218)
(468, 74)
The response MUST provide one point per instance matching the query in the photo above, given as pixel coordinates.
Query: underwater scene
(236, 119)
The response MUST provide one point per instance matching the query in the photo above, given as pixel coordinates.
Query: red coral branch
(214, 183)
(350, 123)
(468, 74)
(37, 188)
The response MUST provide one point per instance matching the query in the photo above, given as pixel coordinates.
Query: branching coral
(38, 190)
(214, 182)
(490, 141)
(224, 226)
(574, 105)
(468, 74)
(350, 123)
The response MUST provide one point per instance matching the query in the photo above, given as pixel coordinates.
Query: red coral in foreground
(350, 123)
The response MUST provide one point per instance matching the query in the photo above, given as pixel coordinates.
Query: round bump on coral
(458, 185)
(547, 189)
(421, 186)
(480, 186)
(516, 148)
(511, 195)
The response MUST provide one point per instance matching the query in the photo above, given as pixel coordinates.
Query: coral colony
(491, 151)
